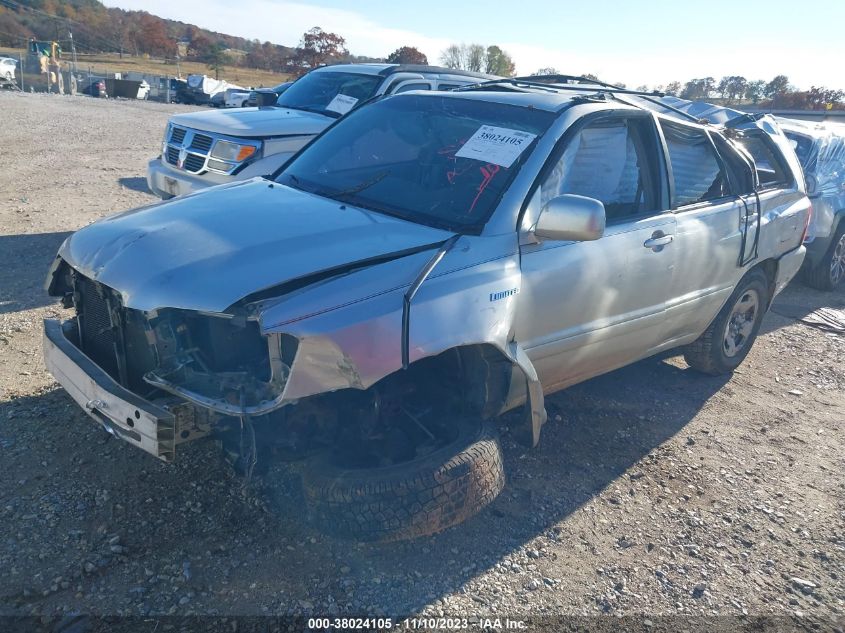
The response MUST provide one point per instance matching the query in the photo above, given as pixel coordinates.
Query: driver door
(590, 307)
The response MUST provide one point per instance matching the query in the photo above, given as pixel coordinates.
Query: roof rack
(648, 96)
(561, 82)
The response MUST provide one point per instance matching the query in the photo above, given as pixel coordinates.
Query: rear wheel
(726, 343)
(414, 498)
(830, 271)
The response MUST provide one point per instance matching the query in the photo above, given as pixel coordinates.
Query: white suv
(7, 68)
(202, 149)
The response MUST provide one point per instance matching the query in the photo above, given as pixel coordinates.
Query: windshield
(330, 93)
(430, 159)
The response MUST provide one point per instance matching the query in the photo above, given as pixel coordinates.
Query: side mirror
(570, 217)
(265, 98)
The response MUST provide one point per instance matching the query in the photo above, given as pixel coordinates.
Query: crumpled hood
(255, 122)
(208, 250)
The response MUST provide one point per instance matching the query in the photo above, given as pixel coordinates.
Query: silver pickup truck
(203, 149)
(427, 264)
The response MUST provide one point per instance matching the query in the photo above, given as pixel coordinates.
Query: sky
(635, 41)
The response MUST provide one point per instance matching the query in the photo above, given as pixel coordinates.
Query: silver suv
(202, 149)
(427, 264)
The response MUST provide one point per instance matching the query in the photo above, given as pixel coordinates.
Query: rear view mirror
(570, 217)
(265, 98)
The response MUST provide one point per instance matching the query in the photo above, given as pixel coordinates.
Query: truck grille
(177, 135)
(193, 163)
(202, 143)
(196, 148)
(95, 325)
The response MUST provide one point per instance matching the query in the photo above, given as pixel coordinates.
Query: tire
(407, 500)
(720, 350)
(830, 271)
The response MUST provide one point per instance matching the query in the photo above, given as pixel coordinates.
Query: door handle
(658, 240)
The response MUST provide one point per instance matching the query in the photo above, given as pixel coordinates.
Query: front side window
(610, 161)
(330, 93)
(430, 159)
(696, 172)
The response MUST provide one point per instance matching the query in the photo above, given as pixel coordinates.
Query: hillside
(98, 29)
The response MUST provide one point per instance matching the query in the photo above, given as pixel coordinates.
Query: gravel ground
(655, 490)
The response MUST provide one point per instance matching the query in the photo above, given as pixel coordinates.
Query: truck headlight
(232, 152)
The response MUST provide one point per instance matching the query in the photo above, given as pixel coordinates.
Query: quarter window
(769, 169)
(696, 172)
(610, 161)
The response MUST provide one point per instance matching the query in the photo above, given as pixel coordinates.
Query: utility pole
(73, 50)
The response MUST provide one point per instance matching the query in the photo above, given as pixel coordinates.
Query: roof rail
(598, 86)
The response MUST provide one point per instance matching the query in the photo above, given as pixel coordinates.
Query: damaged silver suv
(431, 261)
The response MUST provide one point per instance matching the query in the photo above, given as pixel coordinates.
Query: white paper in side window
(342, 104)
(497, 145)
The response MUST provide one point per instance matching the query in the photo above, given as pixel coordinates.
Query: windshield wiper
(361, 186)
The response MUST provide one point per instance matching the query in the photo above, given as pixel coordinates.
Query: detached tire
(830, 271)
(726, 343)
(412, 499)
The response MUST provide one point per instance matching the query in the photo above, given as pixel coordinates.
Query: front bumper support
(118, 410)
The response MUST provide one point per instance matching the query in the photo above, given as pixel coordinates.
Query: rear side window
(414, 86)
(443, 86)
(696, 171)
(770, 168)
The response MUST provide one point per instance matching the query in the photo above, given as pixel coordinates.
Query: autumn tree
(407, 55)
(319, 47)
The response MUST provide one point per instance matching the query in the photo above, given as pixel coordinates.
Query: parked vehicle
(235, 97)
(431, 261)
(202, 149)
(275, 92)
(205, 90)
(97, 88)
(821, 150)
(7, 69)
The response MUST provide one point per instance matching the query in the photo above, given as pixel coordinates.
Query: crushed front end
(154, 378)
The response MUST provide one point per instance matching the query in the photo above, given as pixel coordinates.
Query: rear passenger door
(600, 305)
(709, 231)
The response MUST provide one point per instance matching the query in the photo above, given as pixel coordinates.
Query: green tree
(756, 90)
(216, 59)
(777, 86)
(499, 62)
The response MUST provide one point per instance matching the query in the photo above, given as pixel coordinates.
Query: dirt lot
(655, 490)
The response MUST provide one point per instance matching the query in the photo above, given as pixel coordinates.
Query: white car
(235, 98)
(7, 68)
(202, 149)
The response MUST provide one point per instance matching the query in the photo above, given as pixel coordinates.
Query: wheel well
(768, 267)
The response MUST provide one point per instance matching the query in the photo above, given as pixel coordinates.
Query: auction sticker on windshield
(342, 104)
(497, 145)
